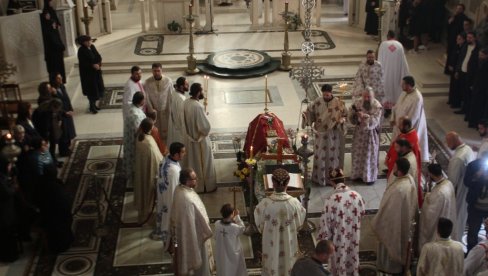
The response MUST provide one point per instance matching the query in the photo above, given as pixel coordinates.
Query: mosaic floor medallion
(75, 265)
(149, 45)
(238, 59)
(112, 98)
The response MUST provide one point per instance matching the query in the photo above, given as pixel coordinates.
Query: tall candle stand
(304, 152)
(286, 56)
(191, 60)
(380, 12)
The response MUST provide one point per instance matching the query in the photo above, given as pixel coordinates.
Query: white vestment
(278, 218)
(413, 171)
(229, 256)
(440, 202)
(369, 75)
(477, 260)
(131, 125)
(463, 155)
(176, 121)
(199, 146)
(130, 89)
(392, 57)
(341, 223)
(147, 161)
(441, 257)
(391, 227)
(483, 147)
(169, 175)
(158, 97)
(191, 225)
(412, 106)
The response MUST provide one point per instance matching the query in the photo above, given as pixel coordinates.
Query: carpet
(112, 98)
(149, 45)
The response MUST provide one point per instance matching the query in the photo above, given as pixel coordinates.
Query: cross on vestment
(223, 232)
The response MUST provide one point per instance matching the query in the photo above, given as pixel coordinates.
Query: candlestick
(251, 153)
(266, 93)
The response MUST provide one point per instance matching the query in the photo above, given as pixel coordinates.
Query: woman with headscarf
(53, 45)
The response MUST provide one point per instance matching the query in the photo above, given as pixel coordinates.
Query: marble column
(151, 11)
(318, 12)
(67, 30)
(209, 12)
(143, 15)
(267, 7)
(107, 17)
(255, 14)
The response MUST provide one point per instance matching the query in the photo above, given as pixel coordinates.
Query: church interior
(108, 240)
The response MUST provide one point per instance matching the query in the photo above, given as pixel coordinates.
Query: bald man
(460, 159)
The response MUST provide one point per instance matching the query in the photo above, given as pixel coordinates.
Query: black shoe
(459, 112)
(60, 164)
(97, 108)
(369, 183)
(93, 111)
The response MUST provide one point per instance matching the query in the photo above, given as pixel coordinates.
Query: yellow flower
(245, 171)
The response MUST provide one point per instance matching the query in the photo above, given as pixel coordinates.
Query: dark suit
(466, 79)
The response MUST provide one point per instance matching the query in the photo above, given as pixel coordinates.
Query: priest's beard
(158, 78)
(328, 99)
(367, 105)
(200, 97)
(370, 62)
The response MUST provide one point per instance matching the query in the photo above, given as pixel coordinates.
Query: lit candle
(8, 136)
(266, 89)
(250, 153)
(190, 8)
(287, 1)
(206, 84)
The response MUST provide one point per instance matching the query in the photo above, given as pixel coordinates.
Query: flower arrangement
(237, 144)
(242, 172)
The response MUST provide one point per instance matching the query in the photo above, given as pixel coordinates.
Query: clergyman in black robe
(371, 26)
(53, 45)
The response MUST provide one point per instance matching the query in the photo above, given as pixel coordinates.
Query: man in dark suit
(466, 68)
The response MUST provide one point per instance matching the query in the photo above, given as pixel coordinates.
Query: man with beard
(462, 156)
(454, 27)
(411, 105)
(176, 131)
(439, 202)
(370, 73)
(392, 227)
(404, 150)
(197, 128)
(132, 86)
(479, 90)
(466, 68)
(483, 131)
(408, 133)
(326, 115)
(159, 89)
(365, 114)
(391, 56)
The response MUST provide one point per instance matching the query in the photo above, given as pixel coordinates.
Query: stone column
(67, 30)
(255, 14)
(266, 13)
(107, 16)
(151, 11)
(143, 16)
(318, 12)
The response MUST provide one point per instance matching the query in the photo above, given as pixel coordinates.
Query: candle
(8, 136)
(286, 1)
(250, 153)
(206, 84)
(190, 8)
(266, 89)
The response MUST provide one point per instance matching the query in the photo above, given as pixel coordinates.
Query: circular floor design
(238, 59)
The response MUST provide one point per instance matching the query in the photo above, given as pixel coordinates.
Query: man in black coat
(454, 27)
(466, 68)
(479, 90)
(53, 45)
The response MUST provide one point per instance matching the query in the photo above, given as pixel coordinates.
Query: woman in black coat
(371, 25)
(68, 131)
(90, 64)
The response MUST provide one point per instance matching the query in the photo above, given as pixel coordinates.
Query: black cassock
(91, 79)
(371, 26)
(53, 45)
(68, 131)
(480, 95)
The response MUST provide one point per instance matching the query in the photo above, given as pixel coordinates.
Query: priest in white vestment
(191, 228)
(176, 119)
(147, 162)
(365, 114)
(391, 227)
(370, 73)
(477, 259)
(168, 179)
(462, 156)
(199, 146)
(326, 115)
(229, 257)
(132, 86)
(443, 256)
(158, 90)
(341, 223)
(411, 105)
(439, 202)
(278, 218)
(131, 125)
(391, 56)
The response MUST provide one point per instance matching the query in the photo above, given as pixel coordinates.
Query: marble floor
(351, 43)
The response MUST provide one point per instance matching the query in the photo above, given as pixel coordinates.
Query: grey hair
(370, 90)
(18, 129)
